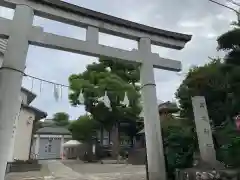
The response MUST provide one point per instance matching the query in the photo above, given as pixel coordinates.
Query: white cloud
(211, 35)
(6, 13)
(191, 24)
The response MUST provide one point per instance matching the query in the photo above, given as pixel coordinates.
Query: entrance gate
(20, 33)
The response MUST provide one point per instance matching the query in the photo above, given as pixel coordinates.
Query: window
(105, 141)
(48, 146)
(105, 137)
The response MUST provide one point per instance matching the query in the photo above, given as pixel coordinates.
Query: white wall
(23, 136)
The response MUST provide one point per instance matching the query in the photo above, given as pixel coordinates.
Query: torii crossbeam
(20, 33)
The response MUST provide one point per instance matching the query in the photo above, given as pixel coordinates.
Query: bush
(179, 144)
(228, 149)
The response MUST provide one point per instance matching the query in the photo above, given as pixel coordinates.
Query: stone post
(62, 148)
(154, 144)
(37, 145)
(92, 35)
(203, 128)
(11, 74)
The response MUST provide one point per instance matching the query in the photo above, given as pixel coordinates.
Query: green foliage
(84, 128)
(61, 119)
(207, 81)
(230, 43)
(114, 78)
(228, 138)
(219, 84)
(178, 144)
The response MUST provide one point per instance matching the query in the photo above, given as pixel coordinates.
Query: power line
(223, 5)
(233, 2)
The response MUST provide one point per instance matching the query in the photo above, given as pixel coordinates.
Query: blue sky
(204, 20)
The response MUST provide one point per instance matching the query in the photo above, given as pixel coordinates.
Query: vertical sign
(11, 152)
(203, 128)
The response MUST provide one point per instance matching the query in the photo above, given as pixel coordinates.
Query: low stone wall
(206, 172)
(23, 167)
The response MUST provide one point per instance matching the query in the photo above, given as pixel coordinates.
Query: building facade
(23, 127)
(48, 142)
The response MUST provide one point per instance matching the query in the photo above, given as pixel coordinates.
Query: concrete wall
(23, 136)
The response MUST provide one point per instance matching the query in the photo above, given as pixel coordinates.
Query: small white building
(23, 127)
(49, 142)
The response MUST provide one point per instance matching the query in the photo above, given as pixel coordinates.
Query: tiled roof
(38, 113)
(30, 95)
(168, 106)
(54, 130)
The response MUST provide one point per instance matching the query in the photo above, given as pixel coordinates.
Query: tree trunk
(115, 141)
(89, 155)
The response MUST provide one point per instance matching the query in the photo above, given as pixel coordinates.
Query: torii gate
(20, 33)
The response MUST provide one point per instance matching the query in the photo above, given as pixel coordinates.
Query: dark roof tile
(54, 130)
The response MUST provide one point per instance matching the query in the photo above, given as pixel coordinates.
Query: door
(49, 148)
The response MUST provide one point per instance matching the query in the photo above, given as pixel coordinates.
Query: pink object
(63, 156)
(237, 121)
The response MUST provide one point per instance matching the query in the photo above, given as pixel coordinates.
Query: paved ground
(33, 175)
(24, 176)
(59, 171)
(76, 170)
(108, 171)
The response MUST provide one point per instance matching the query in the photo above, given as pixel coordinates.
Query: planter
(23, 166)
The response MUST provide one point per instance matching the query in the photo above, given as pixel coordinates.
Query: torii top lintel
(79, 16)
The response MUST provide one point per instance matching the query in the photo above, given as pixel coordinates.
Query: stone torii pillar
(11, 74)
(154, 144)
(20, 33)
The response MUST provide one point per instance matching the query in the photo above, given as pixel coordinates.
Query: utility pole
(232, 9)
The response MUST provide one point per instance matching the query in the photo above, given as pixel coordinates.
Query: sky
(200, 18)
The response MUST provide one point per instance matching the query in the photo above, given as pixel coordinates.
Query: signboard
(203, 128)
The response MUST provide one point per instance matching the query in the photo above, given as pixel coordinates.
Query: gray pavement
(61, 172)
(24, 176)
(108, 171)
(31, 175)
(77, 170)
